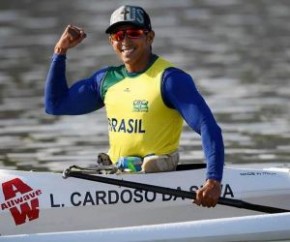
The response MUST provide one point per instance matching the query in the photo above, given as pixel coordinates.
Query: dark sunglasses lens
(118, 36)
(134, 33)
(131, 33)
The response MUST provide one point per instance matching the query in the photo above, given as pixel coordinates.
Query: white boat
(44, 202)
(249, 228)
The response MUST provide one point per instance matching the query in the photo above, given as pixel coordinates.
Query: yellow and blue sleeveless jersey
(139, 122)
(145, 110)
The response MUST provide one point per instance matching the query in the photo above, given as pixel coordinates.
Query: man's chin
(127, 60)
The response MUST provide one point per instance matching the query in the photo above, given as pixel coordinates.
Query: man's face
(132, 45)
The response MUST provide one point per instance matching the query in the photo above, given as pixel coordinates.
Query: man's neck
(142, 66)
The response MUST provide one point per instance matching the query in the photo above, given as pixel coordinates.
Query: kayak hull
(249, 228)
(38, 202)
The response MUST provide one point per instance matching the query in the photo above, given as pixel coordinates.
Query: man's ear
(150, 36)
(110, 40)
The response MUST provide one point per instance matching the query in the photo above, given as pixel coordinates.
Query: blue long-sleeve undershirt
(178, 92)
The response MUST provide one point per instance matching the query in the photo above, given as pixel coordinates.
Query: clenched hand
(209, 194)
(71, 37)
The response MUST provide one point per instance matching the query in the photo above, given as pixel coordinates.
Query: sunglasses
(130, 33)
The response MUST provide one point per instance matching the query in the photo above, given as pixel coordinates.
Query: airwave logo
(21, 200)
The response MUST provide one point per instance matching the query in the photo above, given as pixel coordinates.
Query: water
(238, 52)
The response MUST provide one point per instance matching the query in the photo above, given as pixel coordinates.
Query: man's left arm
(179, 92)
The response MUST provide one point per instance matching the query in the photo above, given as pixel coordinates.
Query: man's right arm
(82, 97)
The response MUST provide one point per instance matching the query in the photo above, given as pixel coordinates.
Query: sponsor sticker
(21, 200)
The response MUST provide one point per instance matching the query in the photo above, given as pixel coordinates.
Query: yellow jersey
(139, 122)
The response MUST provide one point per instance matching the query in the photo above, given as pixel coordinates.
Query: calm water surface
(238, 52)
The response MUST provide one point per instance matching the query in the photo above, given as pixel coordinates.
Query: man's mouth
(127, 51)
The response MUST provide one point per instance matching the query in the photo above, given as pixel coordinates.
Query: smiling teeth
(127, 50)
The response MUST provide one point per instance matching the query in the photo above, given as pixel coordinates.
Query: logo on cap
(128, 13)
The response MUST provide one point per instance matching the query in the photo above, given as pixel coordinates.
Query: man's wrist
(213, 182)
(60, 51)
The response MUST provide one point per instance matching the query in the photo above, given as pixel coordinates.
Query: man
(146, 100)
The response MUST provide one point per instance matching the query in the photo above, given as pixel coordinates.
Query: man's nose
(126, 38)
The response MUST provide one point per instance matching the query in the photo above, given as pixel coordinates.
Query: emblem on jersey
(140, 106)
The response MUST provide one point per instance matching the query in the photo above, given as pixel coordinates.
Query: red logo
(21, 200)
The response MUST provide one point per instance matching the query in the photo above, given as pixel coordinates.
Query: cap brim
(118, 24)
